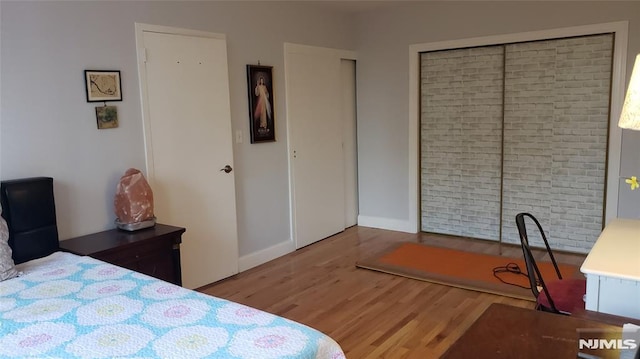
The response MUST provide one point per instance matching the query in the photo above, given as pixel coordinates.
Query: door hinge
(144, 54)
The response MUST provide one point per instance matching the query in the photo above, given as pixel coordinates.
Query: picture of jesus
(259, 82)
(263, 107)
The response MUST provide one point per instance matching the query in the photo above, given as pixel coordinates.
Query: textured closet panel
(461, 126)
(556, 119)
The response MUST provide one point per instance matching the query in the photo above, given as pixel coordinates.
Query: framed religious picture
(102, 85)
(261, 115)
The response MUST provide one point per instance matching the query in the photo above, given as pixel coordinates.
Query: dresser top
(616, 253)
(113, 238)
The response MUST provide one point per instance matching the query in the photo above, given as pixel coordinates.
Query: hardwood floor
(370, 314)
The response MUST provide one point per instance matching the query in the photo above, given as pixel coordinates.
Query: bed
(63, 305)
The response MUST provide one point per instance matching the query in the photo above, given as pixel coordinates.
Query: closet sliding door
(461, 130)
(516, 128)
(555, 137)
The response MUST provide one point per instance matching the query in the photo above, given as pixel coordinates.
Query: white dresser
(613, 270)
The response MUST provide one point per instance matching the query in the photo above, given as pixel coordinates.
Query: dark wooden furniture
(504, 331)
(604, 317)
(153, 251)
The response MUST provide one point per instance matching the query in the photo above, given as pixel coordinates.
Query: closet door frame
(620, 30)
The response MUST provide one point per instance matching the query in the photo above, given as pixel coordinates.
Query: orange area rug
(467, 270)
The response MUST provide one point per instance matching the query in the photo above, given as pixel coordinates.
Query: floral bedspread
(70, 306)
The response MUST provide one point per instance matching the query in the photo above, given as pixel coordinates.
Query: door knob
(227, 169)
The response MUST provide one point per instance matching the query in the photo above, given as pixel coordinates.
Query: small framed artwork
(102, 85)
(107, 117)
(261, 115)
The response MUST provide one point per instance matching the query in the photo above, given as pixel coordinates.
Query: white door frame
(142, 79)
(620, 29)
(306, 49)
(350, 140)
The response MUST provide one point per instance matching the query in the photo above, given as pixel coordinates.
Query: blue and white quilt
(69, 306)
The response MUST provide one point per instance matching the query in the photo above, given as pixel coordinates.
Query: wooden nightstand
(153, 251)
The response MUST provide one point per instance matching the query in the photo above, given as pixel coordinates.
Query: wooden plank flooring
(370, 314)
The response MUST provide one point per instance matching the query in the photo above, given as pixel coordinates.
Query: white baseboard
(386, 223)
(263, 256)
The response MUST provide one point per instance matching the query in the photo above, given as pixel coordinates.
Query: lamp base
(130, 227)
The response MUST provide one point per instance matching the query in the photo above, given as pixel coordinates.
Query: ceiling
(356, 6)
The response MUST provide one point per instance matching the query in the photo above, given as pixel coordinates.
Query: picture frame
(103, 85)
(261, 99)
(106, 117)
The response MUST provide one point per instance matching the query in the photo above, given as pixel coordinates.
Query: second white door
(188, 144)
(315, 123)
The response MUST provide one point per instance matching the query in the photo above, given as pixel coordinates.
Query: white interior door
(315, 124)
(188, 141)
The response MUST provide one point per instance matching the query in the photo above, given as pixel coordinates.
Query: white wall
(48, 128)
(383, 39)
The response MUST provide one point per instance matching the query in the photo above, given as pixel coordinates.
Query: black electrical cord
(510, 268)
